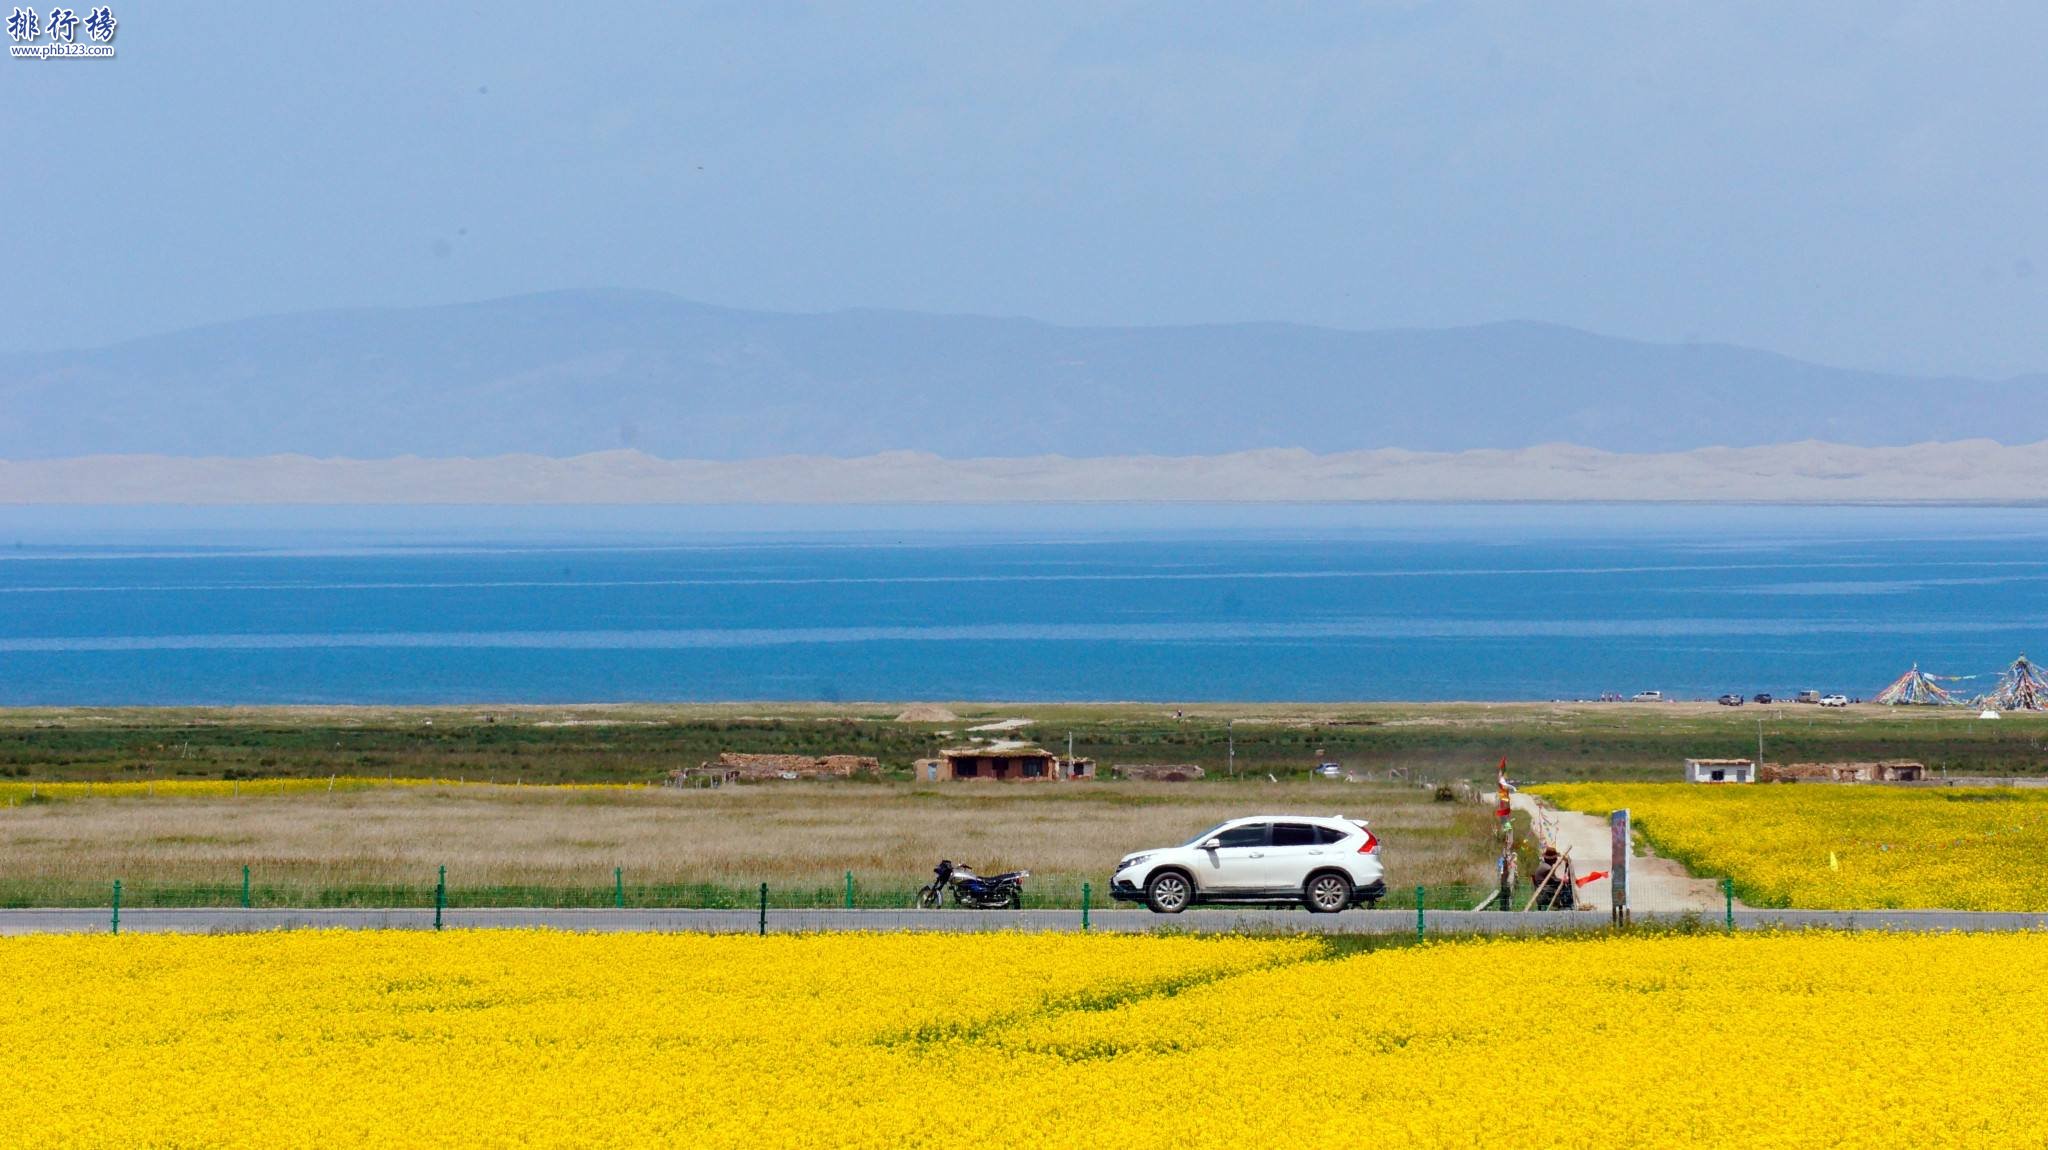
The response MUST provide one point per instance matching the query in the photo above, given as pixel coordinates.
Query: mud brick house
(1006, 761)
(734, 767)
(1890, 771)
(1158, 772)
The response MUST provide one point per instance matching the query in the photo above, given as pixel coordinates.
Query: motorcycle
(997, 892)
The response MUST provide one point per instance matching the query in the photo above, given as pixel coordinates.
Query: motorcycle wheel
(1014, 900)
(927, 898)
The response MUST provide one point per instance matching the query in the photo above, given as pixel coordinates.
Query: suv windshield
(1239, 835)
(1244, 835)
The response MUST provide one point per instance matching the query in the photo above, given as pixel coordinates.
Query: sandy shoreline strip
(1969, 472)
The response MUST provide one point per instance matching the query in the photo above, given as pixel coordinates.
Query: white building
(1720, 771)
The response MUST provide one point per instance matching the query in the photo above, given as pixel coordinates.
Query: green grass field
(642, 743)
(537, 845)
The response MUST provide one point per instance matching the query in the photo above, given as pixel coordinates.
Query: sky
(1854, 183)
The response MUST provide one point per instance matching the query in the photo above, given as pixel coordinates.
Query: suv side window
(1248, 835)
(1328, 835)
(1294, 835)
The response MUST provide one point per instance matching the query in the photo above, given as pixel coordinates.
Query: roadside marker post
(849, 890)
(440, 896)
(117, 906)
(1617, 878)
(1419, 923)
(764, 910)
(245, 886)
(1728, 893)
(619, 887)
(1085, 892)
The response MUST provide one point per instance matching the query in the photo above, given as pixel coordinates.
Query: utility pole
(1759, 772)
(1070, 752)
(1230, 733)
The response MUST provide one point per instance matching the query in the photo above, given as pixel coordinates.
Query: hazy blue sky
(1859, 183)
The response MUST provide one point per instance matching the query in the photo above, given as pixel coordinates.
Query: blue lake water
(1036, 603)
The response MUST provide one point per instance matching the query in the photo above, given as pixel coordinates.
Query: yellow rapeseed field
(13, 793)
(522, 1038)
(1843, 847)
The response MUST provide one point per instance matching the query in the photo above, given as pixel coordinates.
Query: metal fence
(1391, 925)
(250, 889)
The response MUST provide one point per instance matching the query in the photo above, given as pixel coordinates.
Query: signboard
(1617, 824)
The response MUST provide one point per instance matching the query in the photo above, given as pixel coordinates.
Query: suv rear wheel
(1326, 893)
(1169, 892)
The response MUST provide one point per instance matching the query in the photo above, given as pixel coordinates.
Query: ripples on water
(1013, 603)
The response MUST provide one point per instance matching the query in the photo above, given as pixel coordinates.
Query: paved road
(229, 921)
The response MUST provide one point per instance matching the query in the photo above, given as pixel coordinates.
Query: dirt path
(1655, 884)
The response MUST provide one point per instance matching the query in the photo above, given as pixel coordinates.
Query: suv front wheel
(1326, 893)
(1169, 892)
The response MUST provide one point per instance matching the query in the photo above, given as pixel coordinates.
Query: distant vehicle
(1324, 864)
(1733, 700)
(1647, 697)
(1763, 697)
(1329, 770)
(1835, 701)
(1807, 697)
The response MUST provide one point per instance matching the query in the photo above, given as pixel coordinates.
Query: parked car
(1731, 700)
(1329, 770)
(1762, 697)
(1323, 864)
(1647, 697)
(1835, 701)
(1807, 697)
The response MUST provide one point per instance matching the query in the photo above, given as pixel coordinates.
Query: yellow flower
(539, 1038)
(1844, 847)
(15, 793)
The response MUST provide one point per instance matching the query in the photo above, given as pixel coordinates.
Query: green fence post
(619, 887)
(764, 909)
(1418, 912)
(117, 906)
(1728, 893)
(245, 886)
(1086, 891)
(849, 890)
(440, 896)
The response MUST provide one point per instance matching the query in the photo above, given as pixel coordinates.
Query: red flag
(1501, 792)
(1593, 876)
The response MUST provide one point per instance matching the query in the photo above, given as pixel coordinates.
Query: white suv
(1325, 864)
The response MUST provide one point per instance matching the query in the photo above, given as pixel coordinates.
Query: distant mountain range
(568, 373)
